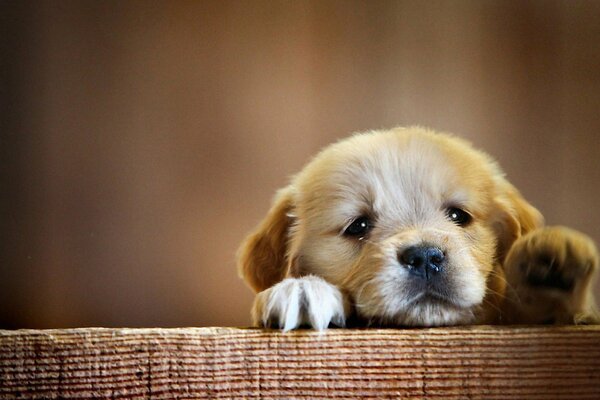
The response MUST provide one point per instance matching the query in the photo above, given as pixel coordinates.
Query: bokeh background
(140, 141)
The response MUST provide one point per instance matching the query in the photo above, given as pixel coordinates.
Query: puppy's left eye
(359, 227)
(458, 216)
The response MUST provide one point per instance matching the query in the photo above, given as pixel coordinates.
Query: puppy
(409, 227)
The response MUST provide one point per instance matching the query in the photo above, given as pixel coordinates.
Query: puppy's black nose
(423, 261)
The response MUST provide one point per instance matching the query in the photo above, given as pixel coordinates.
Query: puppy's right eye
(458, 216)
(359, 227)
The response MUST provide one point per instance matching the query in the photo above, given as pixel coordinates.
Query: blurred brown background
(140, 141)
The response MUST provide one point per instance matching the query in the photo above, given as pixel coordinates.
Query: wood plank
(476, 362)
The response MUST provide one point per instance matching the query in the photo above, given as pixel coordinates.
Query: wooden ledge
(442, 363)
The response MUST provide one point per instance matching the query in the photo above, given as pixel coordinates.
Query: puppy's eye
(458, 216)
(359, 227)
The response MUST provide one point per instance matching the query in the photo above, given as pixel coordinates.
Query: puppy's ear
(263, 256)
(513, 217)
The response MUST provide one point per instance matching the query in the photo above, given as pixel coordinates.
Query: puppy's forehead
(395, 171)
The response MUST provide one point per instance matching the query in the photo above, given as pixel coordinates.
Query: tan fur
(569, 253)
(262, 257)
(404, 180)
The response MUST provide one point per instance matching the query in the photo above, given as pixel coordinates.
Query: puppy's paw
(295, 302)
(549, 274)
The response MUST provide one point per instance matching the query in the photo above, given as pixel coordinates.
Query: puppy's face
(409, 224)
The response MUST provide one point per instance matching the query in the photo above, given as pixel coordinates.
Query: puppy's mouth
(436, 293)
(433, 308)
(434, 298)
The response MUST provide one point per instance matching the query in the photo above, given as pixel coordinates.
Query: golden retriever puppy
(409, 227)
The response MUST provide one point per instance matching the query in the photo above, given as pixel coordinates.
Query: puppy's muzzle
(425, 262)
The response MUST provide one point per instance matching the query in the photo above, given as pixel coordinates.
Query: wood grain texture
(442, 363)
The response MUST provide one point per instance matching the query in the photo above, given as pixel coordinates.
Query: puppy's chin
(432, 311)
(424, 311)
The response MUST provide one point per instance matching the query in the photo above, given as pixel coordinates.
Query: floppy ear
(263, 255)
(513, 217)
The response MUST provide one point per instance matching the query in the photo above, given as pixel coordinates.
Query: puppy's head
(410, 224)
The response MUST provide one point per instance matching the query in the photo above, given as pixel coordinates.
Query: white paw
(295, 302)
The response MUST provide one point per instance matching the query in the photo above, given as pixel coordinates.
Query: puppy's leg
(295, 302)
(550, 274)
